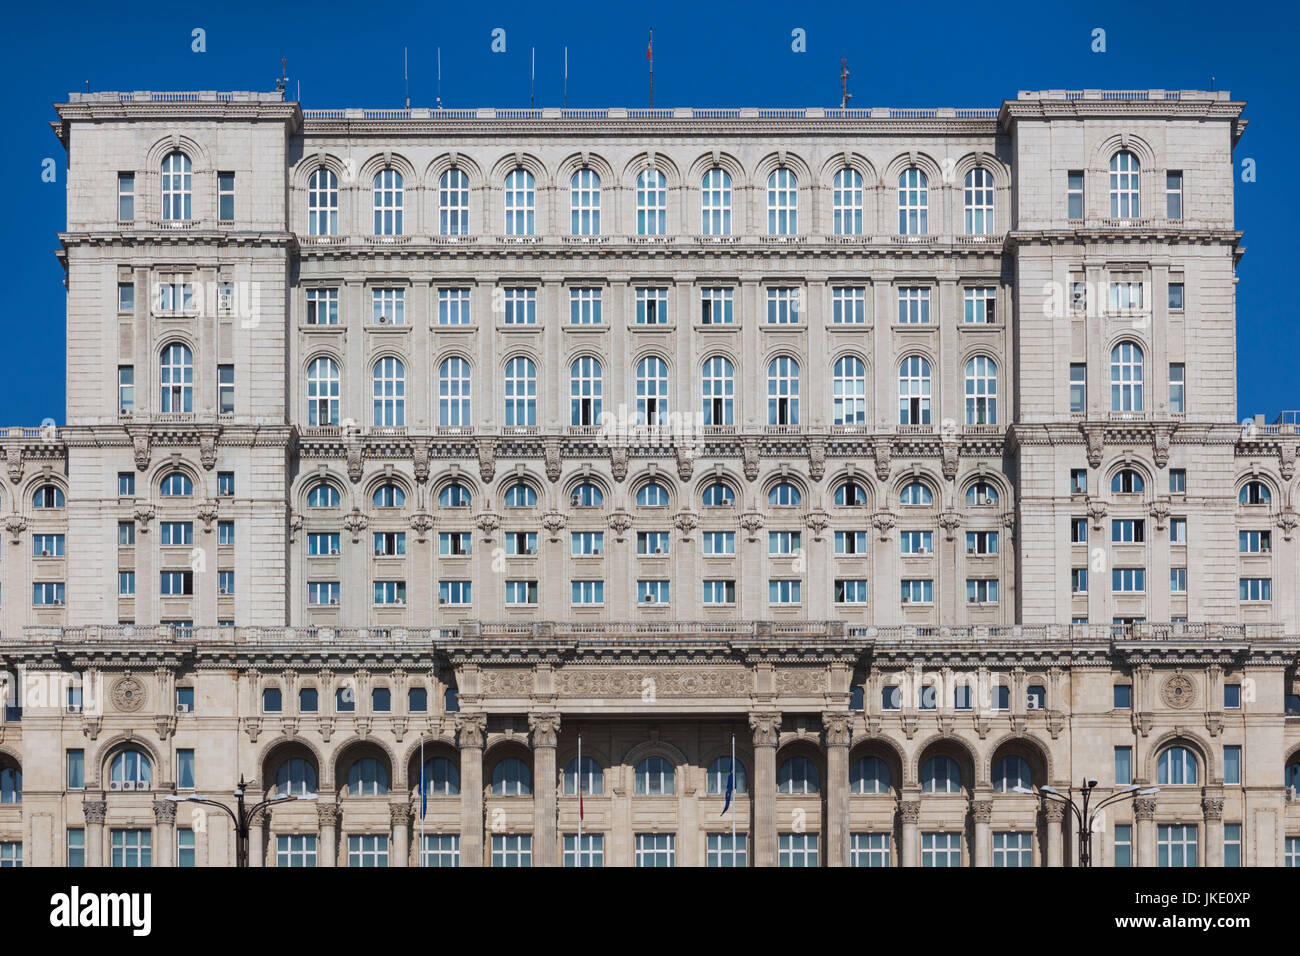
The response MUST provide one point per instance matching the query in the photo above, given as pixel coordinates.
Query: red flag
(649, 48)
(580, 815)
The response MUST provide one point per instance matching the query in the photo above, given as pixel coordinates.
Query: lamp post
(241, 816)
(1082, 813)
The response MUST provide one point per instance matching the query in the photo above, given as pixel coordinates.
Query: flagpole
(565, 104)
(420, 851)
(577, 850)
(733, 808)
(650, 55)
(532, 77)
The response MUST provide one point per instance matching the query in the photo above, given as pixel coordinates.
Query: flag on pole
(580, 813)
(424, 795)
(650, 46)
(731, 783)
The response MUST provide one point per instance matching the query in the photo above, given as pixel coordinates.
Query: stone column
(1144, 850)
(982, 852)
(470, 729)
(1213, 852)
(838, 731)
(910, 813)
(767, 730)
(164, 815)
(1054, 813)
(256, 846)
(399, 816)
(327, 818)
(94, 811)
(545, 728)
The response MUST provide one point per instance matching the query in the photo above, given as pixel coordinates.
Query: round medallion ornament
(128, 694)
(1178, 692)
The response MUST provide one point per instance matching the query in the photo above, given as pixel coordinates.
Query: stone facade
(481, 432)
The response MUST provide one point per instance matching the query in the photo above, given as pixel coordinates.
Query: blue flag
(424, 796)
(731, 781)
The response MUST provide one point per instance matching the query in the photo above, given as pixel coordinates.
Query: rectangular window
(1178, 580)
(589, 543)
(721, 849)
(176, 533)
(454, 593)
(656, 849)
(1123, 844)
(520, 306)
(1256, 589)
(126, 197)
(784, 591)
(981, 543)
(389, 306)
(1232, 765)
(225, 484)
(521, 543)
(1125, 295)
(389, 544)
(1293, 851)
(783, 306)
(226, 197)
(453, 306)
(1123, 696)
(455, 544)
(1178, 481)
(76, 769)
(47, 545)
(1078, 530)
(1078, 481)
(941, 849)
(980, 591)
(1174, 194)
(368, 850)
(584, 307)
(185, 769)
(963, 697)
(848, 305)
(47, 594)
(390, 593)
(918, 591)
(1254, 542)
(652, 306)
(512, 850)
(869, 849)
(717, 543)
(852, 542)
(176, 583)
(716, 306)
(784, 543)
(719, 592)
(125, 297)
(323, 593)
(322, 306)
(1013, 849)
(652, 591)
(1176, 845)
(980, 306)
(441, 849)
(1078, 580)
(913, 305)
(184, 700)
(1232, 844)
(797, 849)
(1123, 766)
(1127, 530)
(891, 697)
(323, 544)
(1232, 696)
(76, 838)
(1177, 392)
(521, 592)
(1175, 297)
(1078, 387)
(1074, 194)
(125, 583)
(225, 533)
(652, 543)
(175, 296)
(295, 850)
(850, 590)
(225, 389)
(131, 848)
(1128, 580)
(125, 533)
(587, 592)
(126, 389)
(590, 853)
(916, 542)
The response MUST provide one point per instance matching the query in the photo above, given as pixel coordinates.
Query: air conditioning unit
(128, 785)
(334, 551)
(659, 550)
(222, 591)
(573, 501)
(595, 552)
(182, 708)
(334, 600)
(382, 320)
(971, 550)
(224, 300)
(922, 549)
(649, 599)
(74, 708)
(533, 551)
(124, 412)
(45, 553)
(907, 599)
(116, 785)
(442, 600)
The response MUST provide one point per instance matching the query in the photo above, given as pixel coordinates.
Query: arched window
(51, 496)
(1255, 493)
(441, 778)
(592, 777)
(176, 378)
(914, 391)
(521, 392)
(512, 778)
(652, 495)
(323, 203)
(177, 187)
(655, 776)
(784, 495)
(848, 202)
(913, 203)
(652, 391)
(978, 200)
(323, 392)
(782, 203)
(388, 495)
(651, 203)
(1125, 188)
(718, 386)
(521, 201)
(367, 777)
(916, 494)
(586, 495)
(454, 393)
(783, 391)
(718, 495)
(323, 495)
(453, 203)
(1291, 778)
(584, 203)
(11, 785)
(1011, 772)
(585, 390)
(177, 484)
(1127, 482)
(521, 495)
(715, 203)
(850, 391)
(130, 770)
(388, 203)
(940, 775)
(981, 391)
(981, 493)
(869, 775)
(1175, 765)
(798, 775)
(850, 493)
(296, 777)
(1126, 377)
(454, 495)
(720, 770)
(390, 392)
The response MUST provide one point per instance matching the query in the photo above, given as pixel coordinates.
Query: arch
(643, 483)
(34, 486)
(161, 148)
(306, 166)
(272, 752)
(576, 162)
(521, 160)
(111, 747)
(1121, 142)
(831, 165)
(784, 159)
(455, 491)
(890, 172)
(1255, 489)
(1199, 749)
(443, 162)
(634, 167)
(1034, 751)
(308, 483)
(356, 748)
(951, 745)
(576, 488)
(1111, 472)
(889, 751)
(376, 483)
(378, 162)
(518, 492)
(981, 159)
(719, 159)
(785, 491)
(653, 748)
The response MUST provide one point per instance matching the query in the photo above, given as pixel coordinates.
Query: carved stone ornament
(817, 522)
(837, 729)
(686, 522)
(637, 682)
(356, 522)
(207, 513)
(910, 811)
(1286, 459)
(327, 814)
(143, 452)
(487, 459)
(1097, 512)
(356, 465)
(399, 814)
(470, 730)
(1287, 521)
(1095, 437)
(1009, 522)
(94, 810)
(128, 694)
(420, 462)
(618, 461)
(208, 451)
(766, 728)
(1053, 811)
(1178, 692)
(620, 522)
(950, 521)
(816, 458)
(982, 811)
(554, 522)
(488, 523)
(883, 456)
(752, 522)
(296, 523)
(16, 525)
(422, 524)
(1212, 807)
(884, 522)
(749, 458)
(507, 682)
(685, 460)
(1160, 439)
(551, 452)
(545, 728)
(164, 812)
(1144, 808)
(14, 461)
(949, 450)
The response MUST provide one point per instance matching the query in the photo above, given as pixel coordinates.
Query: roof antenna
(1211, 84)
(88, 86)
(439, 77)
(282, 80)
(845, 95)
(406, 79)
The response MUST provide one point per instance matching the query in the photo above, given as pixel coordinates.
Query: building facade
(893, 451)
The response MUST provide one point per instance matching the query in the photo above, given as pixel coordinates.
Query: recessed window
(1175, 296)
(226, 197)
(125, 197)
(1174, 194)
(1074, 194)
(1123, 696)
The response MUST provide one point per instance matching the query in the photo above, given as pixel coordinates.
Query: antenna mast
(283, 79)
(406, 79)
(845, 95)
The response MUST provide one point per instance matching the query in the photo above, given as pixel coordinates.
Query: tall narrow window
(783, 391)
(126, 389)
(1126, 378)
(177, 187)
(584, 203)
(850, 391)
(1074, 193)
(454, 393)
(521, 393)
(453, 203)
(1173, 194)
(389, 393)
(1078, 387)
(718, 386)
(848, 202)
(981, 391)
(388, 203)
(323, 203)
(226, 197)
(225, 389)
(914, 391)
(585, 390)
(1125, 190)
(715, 203)
(176, 379)
(782, 203)
(323, 392)
(651, 203)
(652, 391)
(913, 203)
(978, 198)
(520, 203)
(125, 197)
(1177, 384)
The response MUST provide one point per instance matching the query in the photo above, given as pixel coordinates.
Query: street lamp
(241, 816)
(1085, 817)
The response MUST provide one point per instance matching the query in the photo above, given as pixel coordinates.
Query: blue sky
(706, 54)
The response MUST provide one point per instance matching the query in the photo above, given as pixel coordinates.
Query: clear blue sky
(706, 54)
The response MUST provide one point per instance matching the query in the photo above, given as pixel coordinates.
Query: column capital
(766, 727)
(910, 811)
(164, 811)
(470, 730)
(327, 814)
(982, 811)
(838, 729)
(1053, 811)
(1213, 808)
(94, 810)
(545, 728)
(260, 818)
(1144, 808)
(399, 814)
